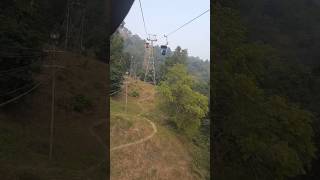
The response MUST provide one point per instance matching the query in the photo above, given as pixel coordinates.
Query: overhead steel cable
(16, 90)
(19, 56)
(114, 92)
(22, 48)
(118, 83)
(144, 22)
(19, 96)
(174, 31)
(20, 52)
(18, 69)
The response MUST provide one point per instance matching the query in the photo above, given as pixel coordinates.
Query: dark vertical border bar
(212, 64)
(108, 11)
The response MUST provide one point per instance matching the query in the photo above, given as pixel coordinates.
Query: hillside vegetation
(79, 104)
(165, 155)
(29, 32)
(164, 132)
(128, 51)
(265, 103)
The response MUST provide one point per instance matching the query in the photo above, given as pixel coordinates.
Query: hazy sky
(165, 16)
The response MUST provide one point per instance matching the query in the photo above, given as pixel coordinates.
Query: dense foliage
(119, 62)
(135, 46)
(21, 35)
(185, 107)
(265, 111)
(26, 26)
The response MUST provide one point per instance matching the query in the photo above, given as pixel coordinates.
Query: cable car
(147, 45)
(163, 50)
(164, 47)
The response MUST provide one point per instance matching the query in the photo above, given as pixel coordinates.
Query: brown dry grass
(128, 130)
(75, 149)
(162, 157)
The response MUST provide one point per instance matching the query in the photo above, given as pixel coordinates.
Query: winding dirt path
(154, 127)
(138, 141)
(102, 142)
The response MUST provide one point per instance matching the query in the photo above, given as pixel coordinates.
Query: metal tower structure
(150, 64)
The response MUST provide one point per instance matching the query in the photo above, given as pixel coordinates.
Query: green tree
(258, 132)
(184, 106)
(21, 37)
(119, 62)
(261, 137)
(179, 56)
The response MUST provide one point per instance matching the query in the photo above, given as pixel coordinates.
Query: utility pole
(82, 6)
(147, 68)
(54, 37)
(135, 67)
(81, 29)
(146, 55)
(126, 84)
(131, 66)
(152, 38)
(153, 66)
(67, 30)
(135, 70)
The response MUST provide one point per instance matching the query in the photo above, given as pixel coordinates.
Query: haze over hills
(160, 115)
(135, 46)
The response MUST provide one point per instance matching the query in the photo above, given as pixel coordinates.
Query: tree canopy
(262, 130)
(185, 107)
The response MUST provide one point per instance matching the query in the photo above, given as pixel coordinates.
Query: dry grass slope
(24, 126)
(164, 156)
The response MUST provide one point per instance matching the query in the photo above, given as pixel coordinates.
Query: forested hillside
(26, 31)
(147, 116)
(266, 89)
(52, 83)
(128, 53)
(80, 25)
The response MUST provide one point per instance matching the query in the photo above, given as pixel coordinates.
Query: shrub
(134, 93)
(81, 103)
(185, 107)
